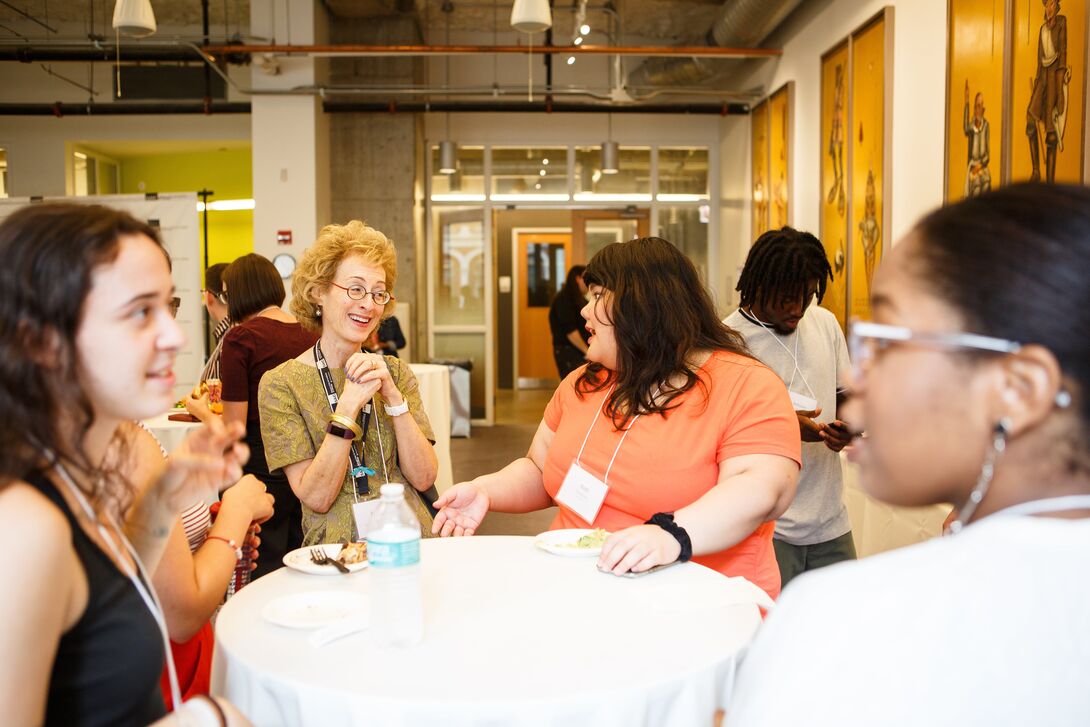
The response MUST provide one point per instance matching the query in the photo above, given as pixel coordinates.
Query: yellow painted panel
(759, 130)
(834, 182)
(779, 164)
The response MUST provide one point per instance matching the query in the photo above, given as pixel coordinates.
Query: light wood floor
(492, 448)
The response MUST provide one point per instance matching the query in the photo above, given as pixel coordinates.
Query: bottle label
(393, 555)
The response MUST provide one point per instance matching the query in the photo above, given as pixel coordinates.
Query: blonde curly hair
(320, 261)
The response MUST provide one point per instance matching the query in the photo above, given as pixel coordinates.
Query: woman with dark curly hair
(672, 437)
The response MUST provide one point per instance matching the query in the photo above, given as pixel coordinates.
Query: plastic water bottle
(393, 552)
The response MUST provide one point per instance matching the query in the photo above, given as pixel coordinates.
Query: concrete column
(289, 132)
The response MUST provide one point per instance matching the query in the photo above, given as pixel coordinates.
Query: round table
(512, 636)
(169, 433)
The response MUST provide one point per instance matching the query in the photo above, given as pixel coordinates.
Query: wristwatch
(396, 411)
(338, 431)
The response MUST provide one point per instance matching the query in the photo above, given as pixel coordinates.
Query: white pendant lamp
(134, 18)
(448, 157)
(610, 149)
(531, 16)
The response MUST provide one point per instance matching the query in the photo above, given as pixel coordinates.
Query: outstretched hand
(209, 459)
(461, 510)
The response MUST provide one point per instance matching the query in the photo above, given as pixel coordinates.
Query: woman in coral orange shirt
(672, 437)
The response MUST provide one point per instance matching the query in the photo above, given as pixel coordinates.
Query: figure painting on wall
(1047, 109)
(978, 178)
(762, 187)
(836, 143)
(870, 230)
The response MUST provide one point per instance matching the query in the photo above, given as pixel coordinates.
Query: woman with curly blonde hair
(339, 421)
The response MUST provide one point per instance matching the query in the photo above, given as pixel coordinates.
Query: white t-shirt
(987, 627)
(817, 514)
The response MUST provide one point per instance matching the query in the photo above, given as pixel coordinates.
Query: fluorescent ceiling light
(595, 197)
(529, 198)
(457, 197)
(227, 205)
(681, 197)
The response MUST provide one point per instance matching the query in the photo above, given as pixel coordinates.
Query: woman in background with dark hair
(264, 337)
(972, 386)
(567, 325)
(693, 444)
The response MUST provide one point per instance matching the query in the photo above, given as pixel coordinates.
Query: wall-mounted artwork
(1047, 89)
(834, 182)
(869, 133)
(975, 84)
(779, 156)
(760, 171)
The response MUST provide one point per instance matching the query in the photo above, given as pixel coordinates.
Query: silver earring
(318, 311)
(1063, 399)
(987, 472)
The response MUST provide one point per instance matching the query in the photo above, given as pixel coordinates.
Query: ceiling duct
(740, 24)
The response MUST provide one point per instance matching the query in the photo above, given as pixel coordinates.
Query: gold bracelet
(347, 423)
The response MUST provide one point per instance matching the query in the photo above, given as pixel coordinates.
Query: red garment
(668, 462)
(254, 347)
(193, 661)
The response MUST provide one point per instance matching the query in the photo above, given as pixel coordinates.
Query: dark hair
(570, 290)
(213, 278)
(1013, 262)
(661, 314)
(253, 284)
(50, 252)
(782, 263)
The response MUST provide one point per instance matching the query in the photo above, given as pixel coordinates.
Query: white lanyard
(146, 593)
(1050, 504)
(794, 356)
(591, 428)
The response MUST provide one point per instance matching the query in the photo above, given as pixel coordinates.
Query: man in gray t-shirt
(786, 270)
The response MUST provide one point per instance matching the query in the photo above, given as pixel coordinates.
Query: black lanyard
(358, 470)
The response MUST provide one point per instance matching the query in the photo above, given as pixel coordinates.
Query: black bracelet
(665, 520)
(216, 708)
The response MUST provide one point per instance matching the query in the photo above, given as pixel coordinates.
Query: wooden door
(543, 262)
(592, 229)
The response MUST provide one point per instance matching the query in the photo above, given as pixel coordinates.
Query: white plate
(299, 559)
(562, 542)
(314, 609)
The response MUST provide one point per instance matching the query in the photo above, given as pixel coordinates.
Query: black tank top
(108, 664)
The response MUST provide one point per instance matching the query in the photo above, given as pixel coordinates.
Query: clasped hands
(365, 374)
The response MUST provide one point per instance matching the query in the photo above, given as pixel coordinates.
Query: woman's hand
(360, 382)
(250, 495)
(461, 510)
(208, 459)
(638, 548)
(198, 407)
(369, 369)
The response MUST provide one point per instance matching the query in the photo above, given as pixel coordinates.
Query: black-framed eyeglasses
(358, 292)
(175, 304)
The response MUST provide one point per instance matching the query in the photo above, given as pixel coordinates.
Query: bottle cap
(393, 490)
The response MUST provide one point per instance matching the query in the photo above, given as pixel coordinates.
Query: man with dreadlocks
(786, 270)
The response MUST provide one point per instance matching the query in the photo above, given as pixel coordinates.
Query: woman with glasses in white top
(971, 384)
(340, 421)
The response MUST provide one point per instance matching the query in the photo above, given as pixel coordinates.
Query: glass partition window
(687, 228)
(630, 183)
(466, 184)
(460, 298)
(605, 232)
(683, 174)
(529, 174)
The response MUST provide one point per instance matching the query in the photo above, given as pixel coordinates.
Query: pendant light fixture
(531, 16)
(448, 150)
(610, 149)
(134, 18)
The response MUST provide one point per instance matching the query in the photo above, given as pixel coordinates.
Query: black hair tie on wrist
(665, 520)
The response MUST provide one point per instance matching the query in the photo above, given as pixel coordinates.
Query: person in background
(785, 272)
(88, 342)
(972, 385)
(689, 442)
(567, 325)
(215, 302)
(263, 337)
(387, 338)
(338, 421)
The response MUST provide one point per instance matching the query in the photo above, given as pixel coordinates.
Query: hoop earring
(987, 472)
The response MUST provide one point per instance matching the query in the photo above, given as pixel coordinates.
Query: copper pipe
(457, 50)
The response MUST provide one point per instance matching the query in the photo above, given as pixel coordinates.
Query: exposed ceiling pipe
(124, 108)
(350, 50)
(740, 24)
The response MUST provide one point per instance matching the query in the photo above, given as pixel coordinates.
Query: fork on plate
(319, 557)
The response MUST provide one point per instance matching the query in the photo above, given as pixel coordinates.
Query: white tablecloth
(512, 636)
(435, 392)
(169, 433)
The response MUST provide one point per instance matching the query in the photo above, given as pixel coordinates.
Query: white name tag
(802, 402)
(582, 493)
(363, 513)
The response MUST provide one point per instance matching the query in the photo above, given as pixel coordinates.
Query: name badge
(363, 513)
(582, 493)
(802, 402)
